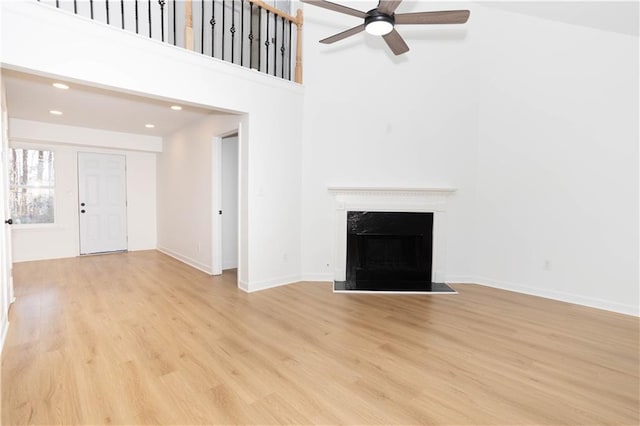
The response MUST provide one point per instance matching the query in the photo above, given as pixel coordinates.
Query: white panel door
(102, 187)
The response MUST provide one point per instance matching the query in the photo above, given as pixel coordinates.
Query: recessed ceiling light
(54, 112)
(149, 126)
(176, 107)
(60, 86)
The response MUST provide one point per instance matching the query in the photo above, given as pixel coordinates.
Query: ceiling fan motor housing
(378, 23)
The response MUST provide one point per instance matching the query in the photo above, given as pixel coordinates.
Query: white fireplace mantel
(390, 199)
(390, 189)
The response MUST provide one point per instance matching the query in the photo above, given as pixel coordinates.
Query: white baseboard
(185, 259)
(266, 284)
(229, 265)
(459, 279)
(592, 302)
(244, 286)
(323, 277)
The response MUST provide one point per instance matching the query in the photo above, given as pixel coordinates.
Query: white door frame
(6, 269)
(216, 217)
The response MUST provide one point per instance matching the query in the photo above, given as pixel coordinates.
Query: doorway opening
(226, 211)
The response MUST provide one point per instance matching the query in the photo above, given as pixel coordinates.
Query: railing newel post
(188, 25)
(298, 70)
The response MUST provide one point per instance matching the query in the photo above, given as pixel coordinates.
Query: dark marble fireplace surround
(389, 252)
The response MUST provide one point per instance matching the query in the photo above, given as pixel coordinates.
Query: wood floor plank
(140, 338)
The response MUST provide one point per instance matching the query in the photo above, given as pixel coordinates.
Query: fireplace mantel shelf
(389, 189)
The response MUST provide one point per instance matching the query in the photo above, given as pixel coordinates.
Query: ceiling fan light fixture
(378, 23)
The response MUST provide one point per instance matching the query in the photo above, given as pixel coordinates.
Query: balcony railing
(250, 33)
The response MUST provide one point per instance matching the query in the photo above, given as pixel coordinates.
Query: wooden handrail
(280, 13)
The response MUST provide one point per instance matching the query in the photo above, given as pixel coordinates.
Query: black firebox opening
(389, 251)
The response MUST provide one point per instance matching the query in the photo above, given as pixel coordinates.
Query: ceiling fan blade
(343, 35)
(336, 8)
(396, 43)
(443, 17)
(388, 6)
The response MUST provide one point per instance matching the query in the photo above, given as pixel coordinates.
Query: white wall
(34, 242)
(185, 190)
(558, 159)
(533, 120)
(39, 39)
(373, 119)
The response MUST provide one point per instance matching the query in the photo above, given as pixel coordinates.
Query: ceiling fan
(382, 20)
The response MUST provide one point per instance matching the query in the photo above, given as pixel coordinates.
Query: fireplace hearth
(390, 252)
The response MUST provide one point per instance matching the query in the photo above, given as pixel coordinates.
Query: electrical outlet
(547, 265)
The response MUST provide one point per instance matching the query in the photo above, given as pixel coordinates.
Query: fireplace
(389, 251)
(390, 239)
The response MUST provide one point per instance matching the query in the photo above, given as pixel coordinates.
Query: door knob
(9, 221)
(82, 211)
(82, 204)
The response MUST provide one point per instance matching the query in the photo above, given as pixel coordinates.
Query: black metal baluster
(174, 23)
(266, 43)
(202, 27)
(250, 35)
(259, 37)
(161, 3)
(122, 13)
(241, 32)
(149, 4)
(275, 43)
(290, 48)
(107, 6)
(222, 32)
(232, 30)
(75, 6)
(91, 7)
(136, 10)
(213, 28)
(282, 52)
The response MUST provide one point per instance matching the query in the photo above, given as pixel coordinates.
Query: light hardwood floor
(140, 338)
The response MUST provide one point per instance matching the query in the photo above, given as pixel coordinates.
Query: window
(32, 186)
